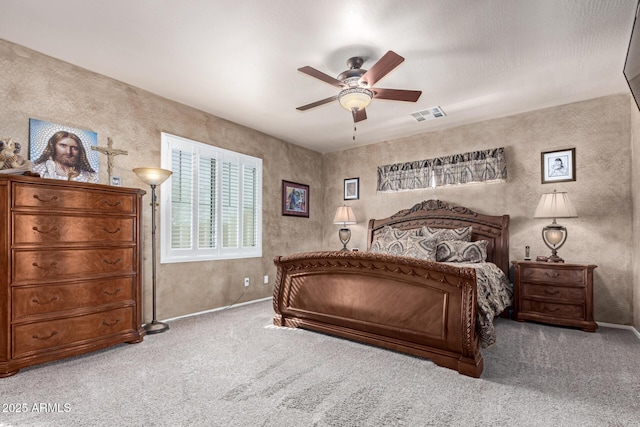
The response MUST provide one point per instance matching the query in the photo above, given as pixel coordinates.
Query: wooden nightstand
(555, 293)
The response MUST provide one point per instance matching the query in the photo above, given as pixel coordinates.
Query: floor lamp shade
(344, 216)
(555, 205)
(153, 177)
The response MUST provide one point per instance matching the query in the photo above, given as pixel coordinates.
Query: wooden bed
(419, 307)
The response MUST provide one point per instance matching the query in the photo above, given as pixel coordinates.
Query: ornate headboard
(438, 214)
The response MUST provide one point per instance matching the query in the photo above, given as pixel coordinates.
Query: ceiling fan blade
(321, 76)
(317, 103)
(397, 94)
(388, 62)
(360, 115)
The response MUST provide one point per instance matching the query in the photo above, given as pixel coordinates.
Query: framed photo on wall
(352, 189)
(295, 199)
(559, 166)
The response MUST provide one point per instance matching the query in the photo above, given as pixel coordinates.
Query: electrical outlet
(246, 281)
(266, 280)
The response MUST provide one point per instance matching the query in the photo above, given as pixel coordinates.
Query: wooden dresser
(69, 269)
(555, 293)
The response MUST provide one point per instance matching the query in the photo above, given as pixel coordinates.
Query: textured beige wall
(600, 131)
(635, 184)
(37, 86)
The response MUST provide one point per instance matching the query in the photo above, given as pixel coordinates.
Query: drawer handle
(109, 231)
(553, 275)
(108, 203)
(54, 333)
(105, 323)
(45, 232)
(42, 199)
(551, 310)
(116, 292)
(553, 292)
(53, 298)
(106, 261)
(53, 264)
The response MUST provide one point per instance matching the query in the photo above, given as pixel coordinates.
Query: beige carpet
(231, 368)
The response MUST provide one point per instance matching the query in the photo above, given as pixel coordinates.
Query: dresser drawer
(577, 294)
(565, 311)
(40, 196)
(65, 229)
(547, 275)
(32, 300)
(70, 263)
(47, 335)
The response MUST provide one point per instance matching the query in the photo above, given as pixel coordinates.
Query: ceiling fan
(356, 85)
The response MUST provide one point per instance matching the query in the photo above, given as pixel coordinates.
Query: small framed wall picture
(352, 189)
(116, 181)
(295, 199)
(558, 166)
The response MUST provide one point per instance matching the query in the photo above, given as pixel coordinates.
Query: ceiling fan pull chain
(354, 123)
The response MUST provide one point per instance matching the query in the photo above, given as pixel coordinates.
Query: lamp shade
(355, 98)
(344, 215)
(152, 176)
(555, 205)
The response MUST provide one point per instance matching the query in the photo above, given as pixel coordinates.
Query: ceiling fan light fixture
(355, 98)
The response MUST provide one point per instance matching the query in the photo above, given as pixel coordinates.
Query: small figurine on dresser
(11, 162)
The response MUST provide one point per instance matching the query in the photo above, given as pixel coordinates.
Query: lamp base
(155, 327)
(345, 235)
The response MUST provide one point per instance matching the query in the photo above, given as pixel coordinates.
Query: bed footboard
(413, 306)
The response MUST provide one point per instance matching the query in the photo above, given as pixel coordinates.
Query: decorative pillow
(421, 247)
(391, 240)
(458, 251)
(462, 234)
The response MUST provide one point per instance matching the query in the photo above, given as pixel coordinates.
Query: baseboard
(614, 325)
(219, 309)
(603, 324)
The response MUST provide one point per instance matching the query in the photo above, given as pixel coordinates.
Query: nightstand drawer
(552, 275)
(565, 311)
(577, 294)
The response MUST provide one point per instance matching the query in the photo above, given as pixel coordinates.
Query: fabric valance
(474, 166)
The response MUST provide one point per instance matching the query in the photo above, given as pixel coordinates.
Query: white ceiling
(238, 59)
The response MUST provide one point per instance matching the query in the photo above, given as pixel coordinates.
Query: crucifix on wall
(111, 153)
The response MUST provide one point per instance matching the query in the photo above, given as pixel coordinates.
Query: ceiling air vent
(429, 114)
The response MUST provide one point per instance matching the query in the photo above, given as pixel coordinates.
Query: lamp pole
(154, 327)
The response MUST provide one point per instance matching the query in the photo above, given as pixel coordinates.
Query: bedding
(457, 251)
(495, 294)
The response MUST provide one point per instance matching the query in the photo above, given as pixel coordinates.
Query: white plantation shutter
(230, 204)
(207, 202)
(249, 203)
(181, 198)
(214, 207)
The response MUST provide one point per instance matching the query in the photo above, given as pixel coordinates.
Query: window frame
(194, 252)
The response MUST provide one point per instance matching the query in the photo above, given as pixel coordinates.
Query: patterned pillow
(391, 240)
(463, 233)
(458, 251)
(421, 247)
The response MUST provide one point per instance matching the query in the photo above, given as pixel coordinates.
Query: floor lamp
(153, 177)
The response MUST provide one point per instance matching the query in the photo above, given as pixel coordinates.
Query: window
(212, 205)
